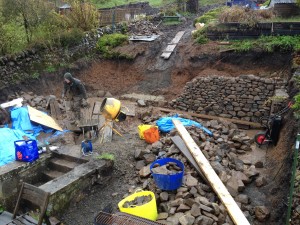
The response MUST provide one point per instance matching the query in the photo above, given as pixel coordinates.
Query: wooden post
(234, 211)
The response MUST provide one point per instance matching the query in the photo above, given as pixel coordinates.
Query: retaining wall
(244, 97)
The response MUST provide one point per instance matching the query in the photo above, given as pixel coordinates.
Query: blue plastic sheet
(165, 124)
(21, 121)
(7, 148)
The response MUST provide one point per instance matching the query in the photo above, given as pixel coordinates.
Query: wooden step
(63, 165)
(52, 174)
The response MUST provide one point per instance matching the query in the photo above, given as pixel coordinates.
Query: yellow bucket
(142, 128)
(147, 211)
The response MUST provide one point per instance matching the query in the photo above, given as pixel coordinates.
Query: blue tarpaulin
(165, 124)
(7, 148)
(21, 126)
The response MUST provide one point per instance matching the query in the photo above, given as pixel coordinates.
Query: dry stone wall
(244, 97)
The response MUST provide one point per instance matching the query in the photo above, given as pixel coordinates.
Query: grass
(106, 156)
(211, 2)
(113, 3)
(269, 44)
(170, 23)
(50, 69)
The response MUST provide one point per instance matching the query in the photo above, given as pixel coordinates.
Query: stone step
(52, 174)
(63, 165)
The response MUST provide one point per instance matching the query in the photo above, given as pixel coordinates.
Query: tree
(30, 13)
(83, 15)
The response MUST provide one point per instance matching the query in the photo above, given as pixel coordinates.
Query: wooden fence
(117, 15)
(243, 31)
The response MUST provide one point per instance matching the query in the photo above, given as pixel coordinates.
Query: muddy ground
(150, 74)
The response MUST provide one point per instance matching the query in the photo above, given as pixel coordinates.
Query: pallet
(172, 45)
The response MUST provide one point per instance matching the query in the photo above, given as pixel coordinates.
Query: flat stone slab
(151, 98)
(69, 178)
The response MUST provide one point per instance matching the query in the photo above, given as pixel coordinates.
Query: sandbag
(142, 128)
(151, 135)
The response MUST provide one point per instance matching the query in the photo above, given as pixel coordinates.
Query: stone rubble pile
(142, 27)
(244, 97)
(195, 202)
(38, 102)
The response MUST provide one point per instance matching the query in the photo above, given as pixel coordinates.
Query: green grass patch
(211, 2)
(113, 3)
(171, 23)
(269, 44)
(50, 69)
(108, 42)
(209, 16)
(106, 156)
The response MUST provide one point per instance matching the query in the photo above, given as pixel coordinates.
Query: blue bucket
(168, 182)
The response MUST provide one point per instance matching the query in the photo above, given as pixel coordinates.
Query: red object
(151, 135)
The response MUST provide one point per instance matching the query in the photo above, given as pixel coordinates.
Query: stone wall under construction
(244, 97)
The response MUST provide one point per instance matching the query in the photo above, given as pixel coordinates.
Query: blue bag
(165, 124)
(26, 151)
(86, 146)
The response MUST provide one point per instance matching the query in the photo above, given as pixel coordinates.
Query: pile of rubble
(39, 102)
(142, 27)
(195, 202)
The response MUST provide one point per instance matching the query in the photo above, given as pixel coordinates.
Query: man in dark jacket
(75, 94)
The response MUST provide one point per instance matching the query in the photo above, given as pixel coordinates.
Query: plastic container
(168, 182)
(147, 211)
(142, 128)
(26, 151)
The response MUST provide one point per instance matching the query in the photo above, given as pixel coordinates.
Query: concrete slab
(74, 175)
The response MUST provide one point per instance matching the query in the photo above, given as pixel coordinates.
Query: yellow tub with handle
(147, 211)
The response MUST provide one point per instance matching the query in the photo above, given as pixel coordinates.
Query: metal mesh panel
(121, 219)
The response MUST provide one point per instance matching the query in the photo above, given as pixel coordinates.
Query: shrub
(109, 41)
(202, 39)
(71, 37)
(244, 15)
(243, 46)
(210, 15)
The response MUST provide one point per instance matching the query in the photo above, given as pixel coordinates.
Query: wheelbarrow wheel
(261, 138)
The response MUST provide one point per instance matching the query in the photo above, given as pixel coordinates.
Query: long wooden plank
(42, 118)
(170, 48)
(177, 37)
(209, 117)
(105, 130)
(234, 211)
(185, 151)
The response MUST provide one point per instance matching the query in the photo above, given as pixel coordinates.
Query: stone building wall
(244, 97)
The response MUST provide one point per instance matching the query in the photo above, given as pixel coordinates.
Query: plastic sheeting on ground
(165, 124)
(21, 121)
(7, 148)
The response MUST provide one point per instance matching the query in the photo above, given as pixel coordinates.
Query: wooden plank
(42, 118)
(105, 131)
(184, 150)
(209, 117)
(166, 55)
(234, 211)
(177, 37)
(170, 48)
(97, 108)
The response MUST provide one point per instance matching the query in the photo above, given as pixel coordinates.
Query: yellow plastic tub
(147, 211)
